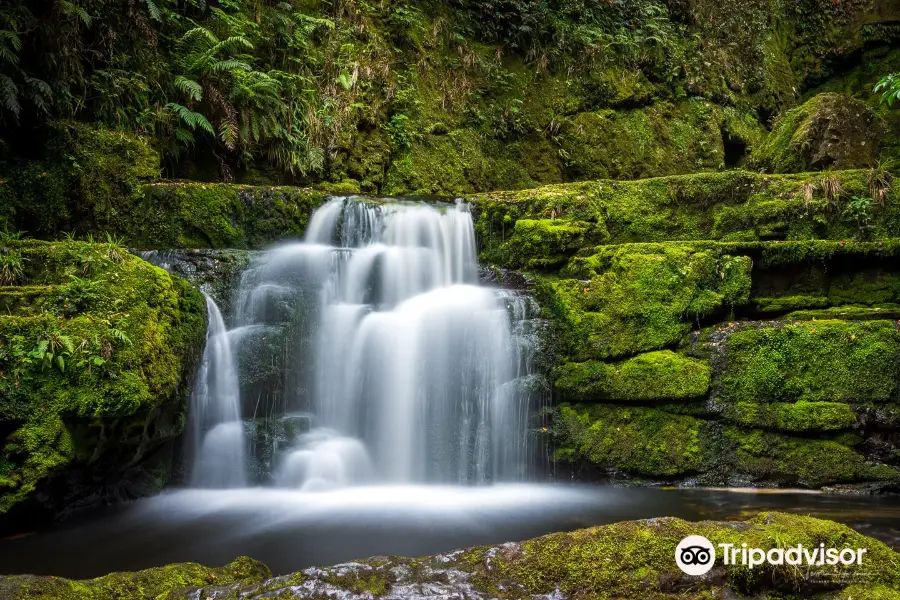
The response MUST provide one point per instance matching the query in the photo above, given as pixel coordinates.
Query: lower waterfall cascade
(368, 353)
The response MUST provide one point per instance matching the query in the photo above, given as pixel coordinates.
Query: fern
(154, 11)
(190, 87)
(9, 93)
(190, 118)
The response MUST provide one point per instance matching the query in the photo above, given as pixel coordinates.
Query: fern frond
(184, 136)
(191, 88)
(229, 65)
(190, 118)
(154, 11)
(9, 93)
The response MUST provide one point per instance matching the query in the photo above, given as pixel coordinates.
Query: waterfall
(216, 428)
(372, 340)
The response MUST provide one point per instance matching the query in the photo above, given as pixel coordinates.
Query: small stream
(293, 529)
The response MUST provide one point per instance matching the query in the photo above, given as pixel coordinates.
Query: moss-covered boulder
(828, 131)
(630, 560)
(97, 352)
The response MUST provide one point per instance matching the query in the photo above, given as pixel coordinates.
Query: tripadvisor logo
(696, 555)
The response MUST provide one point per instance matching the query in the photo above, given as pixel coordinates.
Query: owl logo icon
(695, 555)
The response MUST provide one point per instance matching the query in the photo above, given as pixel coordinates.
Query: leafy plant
(53, 351)
(889, 88)
(12, 263)
(859, 208)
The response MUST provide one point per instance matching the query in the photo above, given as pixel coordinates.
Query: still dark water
(291, 530)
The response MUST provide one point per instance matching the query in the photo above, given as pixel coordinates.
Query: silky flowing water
(405, 369)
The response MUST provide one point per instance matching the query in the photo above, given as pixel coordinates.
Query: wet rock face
(634, 560)
(216, 272)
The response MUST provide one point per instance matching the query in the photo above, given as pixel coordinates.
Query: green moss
(802, 416)
(793, 460)
(456, 163)
(847, 313)
(548, 243)
(106, 350)
(821, 361)
(634, 560)
(736, 206)
(86, 173)
(644, 297)
(827, 131)
(639, 440)
(661, 375)
(199, 215)
(151, 584)
(662, 139)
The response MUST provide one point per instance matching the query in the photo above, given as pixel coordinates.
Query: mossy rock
(662, 139)
(817, 361)
(768, 457)
(657, 376)
(828, 131)
(736, 206)
(801, 416)
(87, 175)
(456, 163)
(203, 215)
(98, 359)
(639, 440)
(643, 297)
(539, 244)
(171, 581)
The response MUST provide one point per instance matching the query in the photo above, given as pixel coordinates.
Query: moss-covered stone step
(95, 368)
(647, 443)
(652, 376)
(816, 362)
(630, 560)
(728, 206)
(629, 298)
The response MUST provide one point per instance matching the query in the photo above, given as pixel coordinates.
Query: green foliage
(889, 88)
(657, 376)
